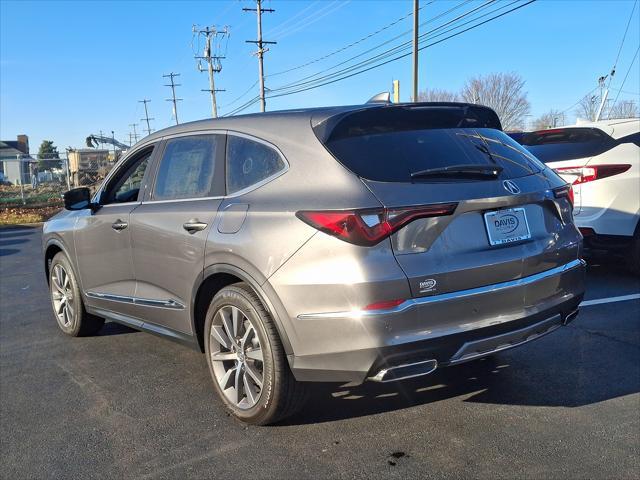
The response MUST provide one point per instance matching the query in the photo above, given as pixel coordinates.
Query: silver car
(372, 242)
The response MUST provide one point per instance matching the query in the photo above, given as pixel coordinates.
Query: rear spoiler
(380, 117)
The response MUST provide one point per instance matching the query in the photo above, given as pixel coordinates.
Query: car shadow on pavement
(492, 380)
(113, 328)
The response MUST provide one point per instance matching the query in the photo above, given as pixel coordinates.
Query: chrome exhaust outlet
(402, 372)
(570, 317)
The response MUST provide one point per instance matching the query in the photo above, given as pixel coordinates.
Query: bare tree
(553, 118)
(504, 92)
(438, 95)
(588, 107)
(624, 109)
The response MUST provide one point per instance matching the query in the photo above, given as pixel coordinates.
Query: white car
(601, 160)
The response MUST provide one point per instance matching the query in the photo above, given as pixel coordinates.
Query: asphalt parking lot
(126, 404)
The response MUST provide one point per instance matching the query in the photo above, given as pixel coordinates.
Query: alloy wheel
(62, 296)
(236, 356)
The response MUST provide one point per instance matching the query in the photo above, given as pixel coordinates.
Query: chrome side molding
(147, 302)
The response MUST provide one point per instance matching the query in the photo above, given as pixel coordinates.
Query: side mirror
(77, 199)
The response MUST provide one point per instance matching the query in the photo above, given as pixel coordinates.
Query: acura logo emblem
(510, 187)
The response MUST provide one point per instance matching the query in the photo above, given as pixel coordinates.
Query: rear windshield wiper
(491, 171)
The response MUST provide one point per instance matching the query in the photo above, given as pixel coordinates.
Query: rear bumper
(449, 328)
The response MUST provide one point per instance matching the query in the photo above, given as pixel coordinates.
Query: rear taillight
(367, 227)
(565, 191)
(593, 172)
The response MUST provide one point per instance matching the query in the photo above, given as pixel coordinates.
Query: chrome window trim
(239, 193)
(416, 302)
(146, 302)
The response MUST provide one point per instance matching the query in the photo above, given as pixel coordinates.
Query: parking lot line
(622, 298)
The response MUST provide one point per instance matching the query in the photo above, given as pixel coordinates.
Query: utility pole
(173, 98)
(135, 133)
(213, 61)
(101, 144)
(113, 136)
(261, 50)
(146, 115)
(415, 49)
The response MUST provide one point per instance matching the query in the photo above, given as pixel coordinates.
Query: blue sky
(69, 69)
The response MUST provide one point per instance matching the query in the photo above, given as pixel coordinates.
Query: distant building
(15, 159)
(88, 165)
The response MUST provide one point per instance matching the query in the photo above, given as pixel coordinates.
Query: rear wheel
(66, 300)
(246, 359)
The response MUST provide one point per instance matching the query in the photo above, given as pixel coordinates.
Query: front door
(169, 231)
(103, 238)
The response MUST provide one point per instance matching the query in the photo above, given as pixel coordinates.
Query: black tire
(280, 395)
(80, 323)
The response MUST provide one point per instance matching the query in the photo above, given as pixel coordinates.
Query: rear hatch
(510, 220)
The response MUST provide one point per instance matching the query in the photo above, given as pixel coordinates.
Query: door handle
(194, 226)
(119, 225)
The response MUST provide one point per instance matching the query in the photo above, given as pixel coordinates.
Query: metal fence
(29, 181)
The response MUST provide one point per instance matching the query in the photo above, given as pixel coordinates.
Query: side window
(126, 187)
(249, 162)
(187, 169)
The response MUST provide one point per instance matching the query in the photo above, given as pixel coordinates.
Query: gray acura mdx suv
(372, 242)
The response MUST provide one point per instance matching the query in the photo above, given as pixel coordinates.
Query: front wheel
(66, 300)
(246, 358)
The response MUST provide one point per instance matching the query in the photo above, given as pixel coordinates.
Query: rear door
(504, 227)
(170, 230)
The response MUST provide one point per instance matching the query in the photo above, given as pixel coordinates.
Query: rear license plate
(507, 226)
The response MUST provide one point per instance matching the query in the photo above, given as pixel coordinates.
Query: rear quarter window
(250, 162)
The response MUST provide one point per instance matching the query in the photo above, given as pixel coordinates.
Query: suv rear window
(567, 143)
(393, 156)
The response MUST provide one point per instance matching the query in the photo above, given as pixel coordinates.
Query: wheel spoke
(65, 282)
(227, 324)
(61, 305)
(252, 394)
(237, 385)
(56, 279)
(253, 373)
(223, 356)
(225, 381)
(219, 334)
(255, 354)
(250, 331)
(235, 315)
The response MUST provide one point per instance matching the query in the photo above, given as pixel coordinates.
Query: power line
(615, 64)
(625, 78)
(146, 116)
(405, 46)
(390, 51)
(283, 25)
(317, 16)
(343, 77)
(353, 44)
(173, 98)
(261, 50)
(213, 61)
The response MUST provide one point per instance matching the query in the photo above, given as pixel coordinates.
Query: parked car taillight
(592, 172)
(367, 227)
